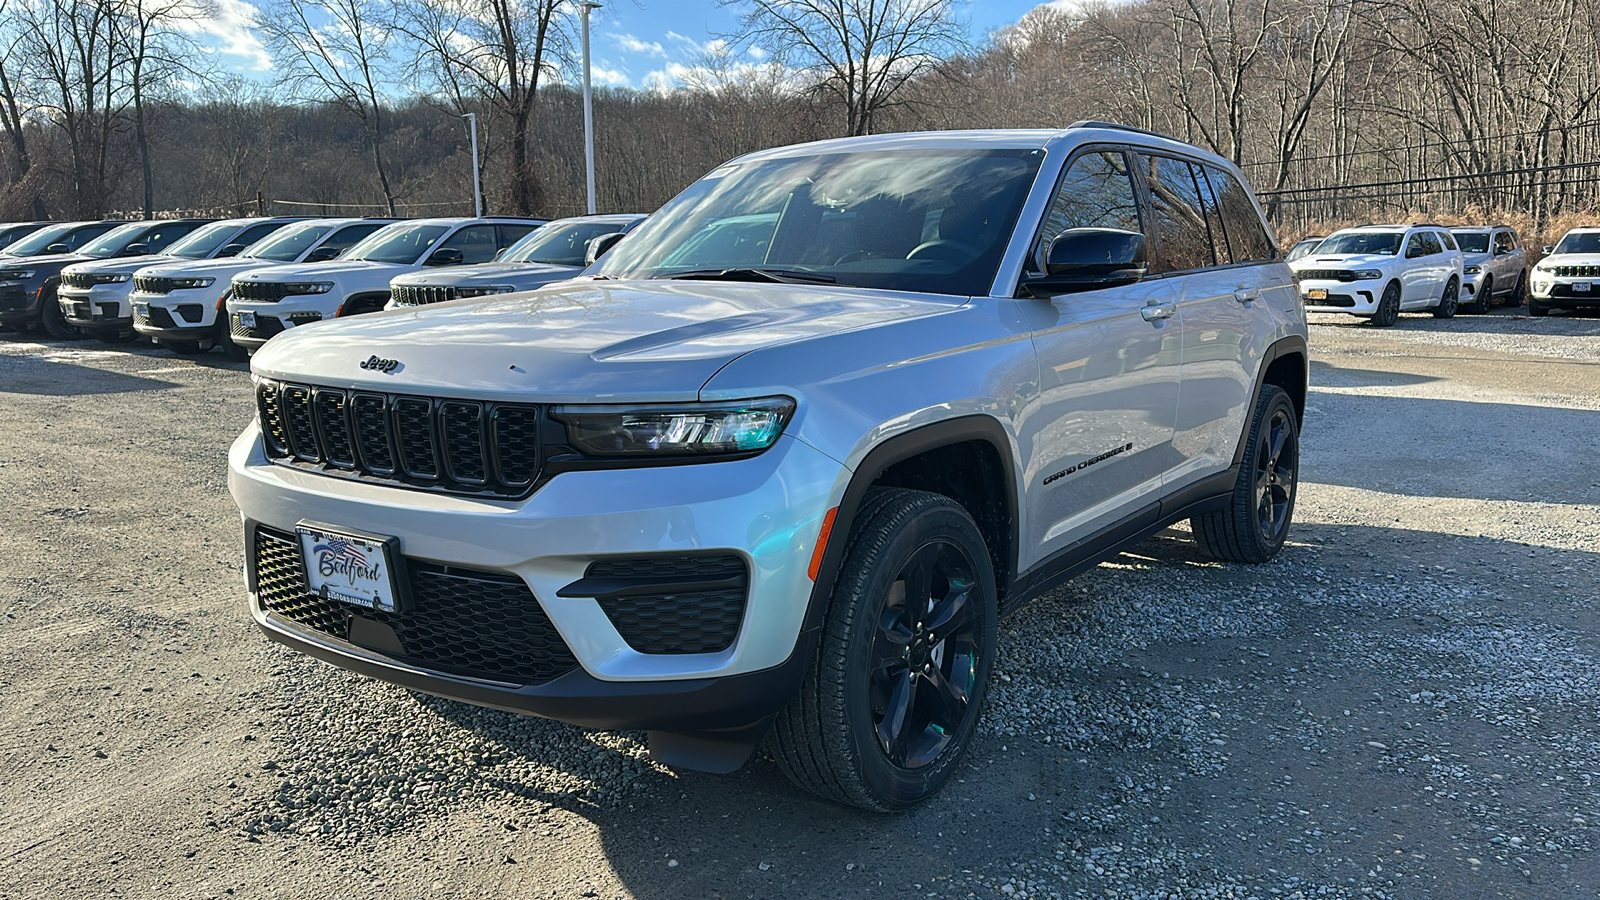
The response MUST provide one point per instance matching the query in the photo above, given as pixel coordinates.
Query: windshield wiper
(781, 276)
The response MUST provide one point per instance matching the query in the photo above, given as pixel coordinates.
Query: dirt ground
(1404, 704)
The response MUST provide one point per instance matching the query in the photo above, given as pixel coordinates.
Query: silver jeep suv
(776, 466)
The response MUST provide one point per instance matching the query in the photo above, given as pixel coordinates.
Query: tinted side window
(1414, 246)
(1504, 242)
(1445, 236)
(1430, 244)
(1095, 192)
(1246, 235)
(510, 234)
(86, 234)
(256, 232)
(157, 239)
(1226, 252)
(476, 243)
(345, 237)
(1182, 235)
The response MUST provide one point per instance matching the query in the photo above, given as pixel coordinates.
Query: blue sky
(647, 44)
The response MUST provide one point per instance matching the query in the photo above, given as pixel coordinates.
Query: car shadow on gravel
(54, 378)
(1576, 323)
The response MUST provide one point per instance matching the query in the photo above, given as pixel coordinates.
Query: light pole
(477, 181)
(588, 105)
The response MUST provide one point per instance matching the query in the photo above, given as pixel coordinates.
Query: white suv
(1380, 271)
(179, 305)
(1569, 277)
(265, 302)
(784, 483)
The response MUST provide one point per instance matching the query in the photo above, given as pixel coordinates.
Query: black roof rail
(1093, 123)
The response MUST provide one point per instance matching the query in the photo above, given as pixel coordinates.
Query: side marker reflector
(822, 543)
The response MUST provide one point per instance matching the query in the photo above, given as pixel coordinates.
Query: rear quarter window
(1247, 234)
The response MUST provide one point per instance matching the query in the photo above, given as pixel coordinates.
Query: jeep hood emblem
(386, 366)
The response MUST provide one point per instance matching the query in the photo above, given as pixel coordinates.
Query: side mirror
(598, 246)
(323, 254)
(63, 248)
(446, 256)
(1548, 249)
(135, 250)
(231, 250)
(1089, 259)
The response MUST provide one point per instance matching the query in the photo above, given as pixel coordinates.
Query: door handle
(1245, 294)
(1158, 311)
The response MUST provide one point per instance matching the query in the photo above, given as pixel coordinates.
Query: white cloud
(232, 24)
(633, 45)
(608, 77)
(756, 53)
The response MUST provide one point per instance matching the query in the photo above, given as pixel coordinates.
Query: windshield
(1303, 248)
(1381, 243)
(401, 244)
(288, 243)
(114, 240)
(926, 220)
(1580, 242)
(204, 242)
(559, 245)
(39, 240)
(1472, 241)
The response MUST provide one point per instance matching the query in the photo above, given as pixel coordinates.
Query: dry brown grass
(1535, 239)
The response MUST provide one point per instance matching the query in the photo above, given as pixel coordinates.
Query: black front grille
(14, 298)
(265, 328)
(673, 604)
(149, 284)
(78, 280)
(258, 291)
(1326, 275)
(420, 295)
(459, 621)
(1565, 290)
(456, 446)
(1344, 301)
(191, 312)
(157, 317)
(1577, 271)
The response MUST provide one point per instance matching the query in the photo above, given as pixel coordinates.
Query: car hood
(519, 274)
(1476, 259)
(580, 341)
(314, 271)
(50, 261)
(120, 263)
(1324, 260)
(1571, 259)
(201, 268)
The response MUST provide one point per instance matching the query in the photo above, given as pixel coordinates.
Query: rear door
(1097, 443)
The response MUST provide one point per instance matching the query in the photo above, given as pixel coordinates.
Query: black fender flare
(1293, 345)
(360, 298)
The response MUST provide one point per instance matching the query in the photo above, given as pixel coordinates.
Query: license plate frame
(1317, 294)
(1581, 287)
(357, 569)
(246, 318)
(141, 309)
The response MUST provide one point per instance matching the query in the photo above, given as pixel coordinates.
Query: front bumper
(1566, 292)
(19, 304)
(187, 314)
(272, 319)
(1358, 298)
(766, 510)
(96, 309)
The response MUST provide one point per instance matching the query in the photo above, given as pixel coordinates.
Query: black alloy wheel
(1253, 525)
(1388, 306)
(1483, 301)
(1449, 301)
(55, 324)
(891, 701)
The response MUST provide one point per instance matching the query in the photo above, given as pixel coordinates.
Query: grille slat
(420, 295)
(258, 291)
(458, 621)
(150, 284)
(1327, 275)
(1577, 271)
(456, 446)
(77, 280)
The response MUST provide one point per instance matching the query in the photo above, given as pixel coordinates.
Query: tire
(1450, 300)
(1519, 291)
(224, 339)
(55, 324)
(1483, 301)
(1254, 524)
(1388, 306)
(837, 738)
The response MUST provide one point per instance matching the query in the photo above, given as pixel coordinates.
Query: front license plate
(1580, 287)
(246, 319)
(142, 310)
(348, 568)
(1317, 294)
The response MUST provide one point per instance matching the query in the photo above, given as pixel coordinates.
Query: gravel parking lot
(1404, 704)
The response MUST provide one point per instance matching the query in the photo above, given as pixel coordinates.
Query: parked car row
(194, 284)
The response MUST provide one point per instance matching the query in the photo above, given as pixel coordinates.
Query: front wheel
(1449, 301)
(224, 339)
(55, 324)
(1254, 524)
(1483, 301)
(891, 701)
(1388, 306)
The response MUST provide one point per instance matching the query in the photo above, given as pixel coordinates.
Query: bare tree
(337, 51)
(154, 53)
(863, 53)
(496, 51)
(12, 106)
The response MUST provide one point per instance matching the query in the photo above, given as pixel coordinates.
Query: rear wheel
(55, 324)
(1388, 306)
(1449, 301)
(891, 702)
(1252, 527)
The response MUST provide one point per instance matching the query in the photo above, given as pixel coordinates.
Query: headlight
(1367, 274)
(484, 291)
(187, 284)
(690, 429)
(112, 278)
(1473, 270)
(1541, 267)
(308, 287)
(16, 274)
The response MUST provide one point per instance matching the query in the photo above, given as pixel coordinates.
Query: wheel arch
(1285, 364)
(360, 298)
